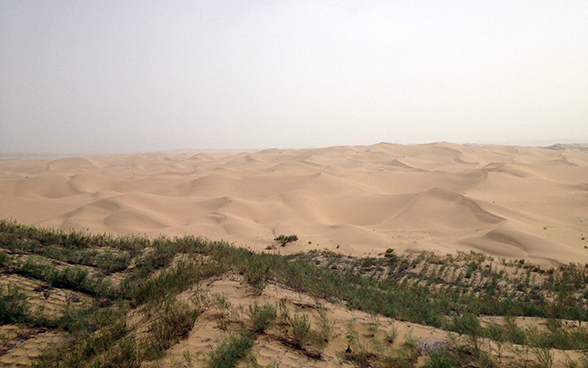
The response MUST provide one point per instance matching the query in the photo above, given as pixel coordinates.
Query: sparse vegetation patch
(132, 310)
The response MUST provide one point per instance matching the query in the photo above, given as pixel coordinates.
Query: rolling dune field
(506, 201)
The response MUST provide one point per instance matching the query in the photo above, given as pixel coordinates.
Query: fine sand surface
(506, 201)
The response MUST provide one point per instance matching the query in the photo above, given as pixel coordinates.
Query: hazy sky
(128, 76)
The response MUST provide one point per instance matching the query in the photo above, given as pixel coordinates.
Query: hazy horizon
(111, 77)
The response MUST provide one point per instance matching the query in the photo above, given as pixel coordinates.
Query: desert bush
(5, 260)
(300, 335)
(402, 358)
(224, 310)
(512, 332)
(14, 307)
(172, 321)
(390, 336)
(76, 321)
(261, 317)
(283, 316)
(123, 355)
(357, 351)
(74, 278)
(459, 353)
(405, 357)
(467, 324)
(299, 331)
(257, 273)
(110, 261)
(168, 282)
(93, 349)
(285, 239)
(230, 351)
(325, 326)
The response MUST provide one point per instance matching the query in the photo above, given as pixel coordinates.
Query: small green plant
(390, 336)
(14, 306)
(231, 351)
(188, 359)
(169, 281)
(283, 317)
(374, 325)
(544, 356)
(299, 330)
(285, 239)
(410, 341)
(540, 347)
(257, 274)
(261, 317)
(326, 326)
(224, 310)
(357, 351)
(171, 322)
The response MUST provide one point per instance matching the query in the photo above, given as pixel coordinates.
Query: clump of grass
(299, 331)
(14, 307)
(257, 274)
(357, 351)
(74, 277)
(460, 353)
(285, 239)
(230, 351)
(261, 317)
(169, 281)
(325, 325)
(299, 334)
(391, 335)
(101, 348)
(111, 262)
(170, 322)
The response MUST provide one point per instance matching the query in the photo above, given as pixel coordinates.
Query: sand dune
(512, 202)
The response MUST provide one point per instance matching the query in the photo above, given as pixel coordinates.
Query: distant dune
(507, 201)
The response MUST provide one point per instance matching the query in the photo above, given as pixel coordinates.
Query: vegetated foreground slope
(75, 300)
(511, 202)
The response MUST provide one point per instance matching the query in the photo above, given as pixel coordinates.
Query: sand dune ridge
(513, 202)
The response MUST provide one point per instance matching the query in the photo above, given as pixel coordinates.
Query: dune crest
(512, 202)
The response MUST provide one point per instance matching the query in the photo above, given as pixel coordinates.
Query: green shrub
(357, 351)
(302, 337)
(326, 326)
(108, 347)
(110, 261)
(5, 259)
(390, 336)
(230, 351)
(468, 324)
(285, 239)
(262, 317)
(459, 353)
(14, 306)
(257, 274)
(168, 282)
(171, 322)
(299, 331)
(512, 332)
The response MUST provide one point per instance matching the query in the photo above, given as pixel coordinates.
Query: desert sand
(506, 201)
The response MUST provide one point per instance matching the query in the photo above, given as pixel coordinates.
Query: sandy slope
(270, 348)
(512, 202)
